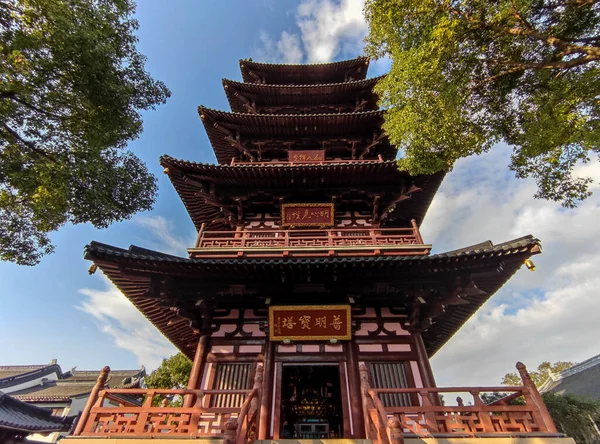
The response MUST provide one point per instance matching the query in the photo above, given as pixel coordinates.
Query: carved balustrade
(390, 423)
(282, 242)
(234, 161)
(115, 412)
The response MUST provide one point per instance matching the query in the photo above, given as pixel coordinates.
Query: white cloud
(327, 28)
(550, 314)
(127, 326)
(116, 316)
(162, 237)
(286, 50)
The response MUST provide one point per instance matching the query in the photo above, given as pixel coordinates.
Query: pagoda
(310, 304)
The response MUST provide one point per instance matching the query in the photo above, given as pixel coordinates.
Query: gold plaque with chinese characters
(306, 156)
(307, 215)
(310, 322)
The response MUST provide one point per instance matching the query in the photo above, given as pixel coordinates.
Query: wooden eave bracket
(360, 104)
(377, 139)
(234, 141)
(255, 76)
(249, 105)
(406, 195)
(376, 200)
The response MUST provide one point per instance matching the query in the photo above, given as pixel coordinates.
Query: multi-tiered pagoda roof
(306, 135)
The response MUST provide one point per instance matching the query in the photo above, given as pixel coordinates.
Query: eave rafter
(233, 139)
(376, 140)
(249, 105)
(405, 195)
(427, 305)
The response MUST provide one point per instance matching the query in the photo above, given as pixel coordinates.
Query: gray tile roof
(582, 379)
(17, 415)
(11, 375)
(77, 383)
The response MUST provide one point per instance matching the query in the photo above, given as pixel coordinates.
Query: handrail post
(484, 416)
(100, 383)
(531, 394)
(395, 430)
(364, 391)
(200, 235)
(416, 232)
(230, 430)
(373, 410)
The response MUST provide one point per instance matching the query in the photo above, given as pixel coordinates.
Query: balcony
(221, 415)
(234, 161)
(310, 243)
(390, 415)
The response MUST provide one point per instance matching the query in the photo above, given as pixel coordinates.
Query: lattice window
(231, 377)
(391, 375)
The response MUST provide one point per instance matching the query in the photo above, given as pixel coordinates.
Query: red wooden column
(266, 398)
(355, 394)
(423, 360)
(197, 366)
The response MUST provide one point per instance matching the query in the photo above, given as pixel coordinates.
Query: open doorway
(311, 402)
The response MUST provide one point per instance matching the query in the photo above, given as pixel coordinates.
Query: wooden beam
(240, 147)
(376, 200)
(250, 106)
(377, 139)
(256, 77)
(404, 196)
(359, 105)
(234, 141)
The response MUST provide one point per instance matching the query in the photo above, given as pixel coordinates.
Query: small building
(19, 420)
(310, 304)
(64, 394)
(581, 379)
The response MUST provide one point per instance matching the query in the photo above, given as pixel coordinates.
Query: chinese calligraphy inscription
(307, 215)
(306, 156)
(310, 322)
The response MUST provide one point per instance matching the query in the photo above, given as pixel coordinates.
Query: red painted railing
(234, 161)
(339, 241)
(386, 424)
(114, 413)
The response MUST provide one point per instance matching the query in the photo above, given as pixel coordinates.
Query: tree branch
(527, 31)
(548, 65)
(29, 144)
(13, 96)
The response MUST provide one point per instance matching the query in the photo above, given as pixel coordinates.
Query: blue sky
(56, 310)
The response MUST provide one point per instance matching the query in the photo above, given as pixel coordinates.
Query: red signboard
(307, 215)
(309, 322)
(306, 156)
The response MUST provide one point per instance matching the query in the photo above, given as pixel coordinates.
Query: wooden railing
(390, 423)
(237, 425)
(340, 241)
(234, 161)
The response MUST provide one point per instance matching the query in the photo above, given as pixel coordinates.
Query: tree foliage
(173, 373)
(72, 87)
(575, 416)
(539, 375)
(466, 74)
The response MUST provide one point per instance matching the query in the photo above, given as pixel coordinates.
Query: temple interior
(311, 402)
